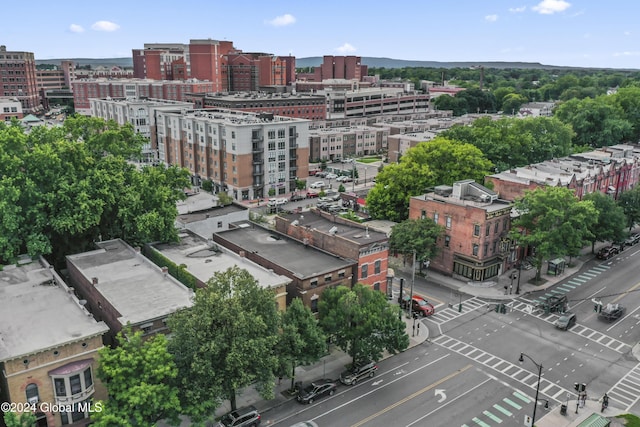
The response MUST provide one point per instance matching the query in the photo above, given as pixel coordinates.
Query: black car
(352, 375)
(611, 312)
(296, 198)
(607, 252)
(317, 389)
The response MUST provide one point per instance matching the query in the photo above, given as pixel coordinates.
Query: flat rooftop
(202, 261)
(133, 285)
(38, 312)
(200, 206)
(361, 236)
(301, 260)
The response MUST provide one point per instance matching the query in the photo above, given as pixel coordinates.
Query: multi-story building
(475, 245)
(172, 90)
(374, 101)
(18, 71)
(160, 61)
(203, 258)
(247, 72)
(243, 154)
(346, 239)
(122, 287)
(310, 270)
(10, 108)
(304, 106)
(337, 143)
(337, 67)
(49, 345)
(140, 113)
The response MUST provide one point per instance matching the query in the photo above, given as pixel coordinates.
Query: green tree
(207, 185)
(431, 163)
(271, 192)
(341, 188)
(301, 184)
(610, 222)
(323, 164)
(225, 342)
(362, 322)
(301, 340)
(25, 419)
(224, 198)
(416, 235)
(512, 102)
(140, 376)
(553, 221)
(630, 202)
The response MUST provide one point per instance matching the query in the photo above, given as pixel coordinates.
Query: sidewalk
(571, 419)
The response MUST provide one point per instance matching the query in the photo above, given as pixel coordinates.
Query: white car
(277, 202)
(344, 178)
(317, 184)
(348, 160)
(331, 176)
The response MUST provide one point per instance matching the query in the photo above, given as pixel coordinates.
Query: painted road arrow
(443, 396)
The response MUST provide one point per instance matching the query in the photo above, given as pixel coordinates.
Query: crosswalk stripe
(503, 410)
(480, 422)
(512, 403)
(492, 416)
(521, 397)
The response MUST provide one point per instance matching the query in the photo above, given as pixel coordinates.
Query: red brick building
(18, 71)
(475, 245)
(337, 67)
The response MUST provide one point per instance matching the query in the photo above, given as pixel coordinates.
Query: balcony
(258, 160)
(257, 148)
(257, 139)
(76, 398)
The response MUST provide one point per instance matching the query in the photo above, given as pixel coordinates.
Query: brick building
(337, 67)
(18, 72)
(49, 345)
(347, 239)
(335, 143)
(10, 108)
(475, 245)
(247, 72)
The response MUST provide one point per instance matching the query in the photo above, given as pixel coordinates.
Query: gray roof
(39, 312)
(133, 285)
(301, 260)
(360, 236)
(202, 262)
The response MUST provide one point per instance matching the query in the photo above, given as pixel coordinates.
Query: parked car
(317, 389)
(418, 305)
(356, 372)
(296, 197)
(311, 194)
(566, 321)
(241, 417)
(332, 195)
(632, 239)
(331, 176)
(321, 174)
(305, 424)
(277, 201)
(607, 252)
(612, 312)
(313, 172)
(317, 184)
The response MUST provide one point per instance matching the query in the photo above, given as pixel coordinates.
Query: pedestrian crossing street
(500, 411)
(583, 331)
(626, 392)
(573, 283)
(445, 315)
(552, 390)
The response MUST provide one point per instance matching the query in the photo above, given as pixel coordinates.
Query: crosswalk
(626, 392)
(552, 390)
(584, 331)
(499, 412)
(444, 315)
(573, 283)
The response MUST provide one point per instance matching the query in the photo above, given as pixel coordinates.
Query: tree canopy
(416, 235)
(226, 341)
(362, 322)
(610, 222)
(437, 162)
(630, 202)
(140, 377)
(63, 188)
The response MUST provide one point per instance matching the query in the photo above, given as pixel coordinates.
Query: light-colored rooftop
(203, 259)
(135, 286)
(38, 312)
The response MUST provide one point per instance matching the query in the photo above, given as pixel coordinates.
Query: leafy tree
(341, 188)
(362, 322)
(610, 222)
(431, 163)
(224, 198)
(448, 102)
(323, 164)
(512, 102)
(628, 99)
(140, 376)
(301, 340)
(225, 342)
(301, 184)
(553, 222)
(630, 202)
(207, 185)
(25, 419)
(271, 192)
(416, 235)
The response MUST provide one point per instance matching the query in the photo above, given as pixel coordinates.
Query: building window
(60, 386)
(448, 222)
(32, 393)
(447, 241)
(475, 249)
(486, 249)
(376, 286)
(423, 214)
(314, 305)
(476, 230)
(487, 230)
(497, 227)
(313, 283)
(364, 271)
(435, 217)
(341, 274)
(327, 278)
(376, 267)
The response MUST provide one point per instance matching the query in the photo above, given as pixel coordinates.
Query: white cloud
(75, 28)
(627, 53)
(282, 20)
(491, 18)
(346, 48)
(517, 9)
(105, 26)
(549, 7)
(627, 33)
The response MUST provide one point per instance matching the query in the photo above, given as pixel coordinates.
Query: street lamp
(539, 366)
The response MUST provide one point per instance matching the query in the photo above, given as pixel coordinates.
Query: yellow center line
(406, 399)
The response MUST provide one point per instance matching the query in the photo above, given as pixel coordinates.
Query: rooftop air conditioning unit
(333, 230)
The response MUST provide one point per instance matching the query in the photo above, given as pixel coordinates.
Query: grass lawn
(630, 420)
(369, 159)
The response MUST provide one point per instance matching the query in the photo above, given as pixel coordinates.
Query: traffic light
(597, 308)
(576, 386)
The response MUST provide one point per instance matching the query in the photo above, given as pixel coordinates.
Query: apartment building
(374, 101)
(247, 72)
(49, 345)
(172, 90)
(337, 67)
(475, 245)
(18, 71)
(337, 143)
(244, 154)
(122, 287)
(10, 108)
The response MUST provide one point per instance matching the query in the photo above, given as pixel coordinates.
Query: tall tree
(416, 235)
(301, 340)
(25, 419)
(630, 202)
(226, 341)
(140, 376)
(362, 322)
(610, 222)
(553, 221)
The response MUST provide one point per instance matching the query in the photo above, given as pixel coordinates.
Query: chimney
(165, 270)
(94, 280)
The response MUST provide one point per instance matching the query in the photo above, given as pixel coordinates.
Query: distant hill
(317, 60)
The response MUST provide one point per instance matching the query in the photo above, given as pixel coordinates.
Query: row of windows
(327, 278)
(364, 270)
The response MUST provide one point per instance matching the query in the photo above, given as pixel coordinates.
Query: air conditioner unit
(333, 230)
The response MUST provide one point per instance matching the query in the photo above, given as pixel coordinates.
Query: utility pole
(413, 279)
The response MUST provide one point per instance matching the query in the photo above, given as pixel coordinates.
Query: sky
(579, 33)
